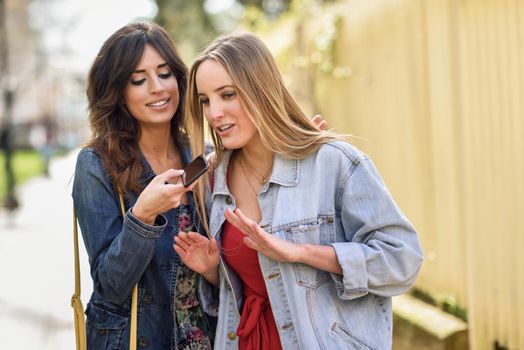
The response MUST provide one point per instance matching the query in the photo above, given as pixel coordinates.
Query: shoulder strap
(76, 302)
(134, 294)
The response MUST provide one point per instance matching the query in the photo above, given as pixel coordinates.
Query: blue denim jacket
(122, 254)
(334, 197)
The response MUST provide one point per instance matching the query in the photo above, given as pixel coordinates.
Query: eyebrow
(143, 70)
(219, 88)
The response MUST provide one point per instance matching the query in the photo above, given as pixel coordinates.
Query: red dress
(257, 329)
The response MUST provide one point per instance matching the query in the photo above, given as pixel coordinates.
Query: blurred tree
(27, 64)
(188, 24)
(6, 128)
(193, 28)
(271, 8)
(274, 8)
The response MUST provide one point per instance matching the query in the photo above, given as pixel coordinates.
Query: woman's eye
(228, 95)
(204, 101)
(165, 75)
(138, 82)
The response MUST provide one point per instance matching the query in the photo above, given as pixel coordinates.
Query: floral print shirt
(192, 325)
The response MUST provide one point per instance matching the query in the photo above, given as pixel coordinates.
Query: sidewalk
(36, 264)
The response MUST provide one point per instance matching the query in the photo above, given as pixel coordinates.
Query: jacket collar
(285, 173)
(147, 173)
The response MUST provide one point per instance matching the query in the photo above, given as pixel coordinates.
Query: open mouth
(225, 127)
(157, 104)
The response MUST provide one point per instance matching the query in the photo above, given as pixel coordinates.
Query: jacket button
(143, 342)
(231, 335)
(273, 275)
(287, 326)
(101, 331)
(228, 200)
(228, 287)
(148, 299)
(330, 220)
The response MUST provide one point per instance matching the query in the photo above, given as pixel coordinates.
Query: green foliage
(25, 163)
(254, 20)
(274, 8)
(188, 24)
(270, 8)
(322, 53)
(325, 48)
(445, 302)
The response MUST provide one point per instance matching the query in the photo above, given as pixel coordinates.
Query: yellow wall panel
(435, 96)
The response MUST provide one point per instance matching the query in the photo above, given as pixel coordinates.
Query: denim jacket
(122, 254)
(333, 197)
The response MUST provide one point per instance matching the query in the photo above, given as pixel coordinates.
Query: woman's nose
(155, 85)
(215, 111)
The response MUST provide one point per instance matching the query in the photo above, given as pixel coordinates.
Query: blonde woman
(307, 246)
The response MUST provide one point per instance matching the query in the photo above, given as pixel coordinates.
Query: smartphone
(194, 170)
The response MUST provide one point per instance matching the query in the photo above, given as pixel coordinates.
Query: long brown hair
(115, 131)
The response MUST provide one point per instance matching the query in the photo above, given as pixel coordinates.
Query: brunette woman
(136, 89)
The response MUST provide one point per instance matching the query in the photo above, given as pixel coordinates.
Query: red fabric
(257, 329)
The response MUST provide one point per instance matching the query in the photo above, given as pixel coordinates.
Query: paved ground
(36, 264)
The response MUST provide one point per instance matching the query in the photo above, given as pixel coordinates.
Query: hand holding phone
(194, 170)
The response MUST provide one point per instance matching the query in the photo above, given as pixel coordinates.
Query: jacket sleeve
(119, 250)
(382, 254)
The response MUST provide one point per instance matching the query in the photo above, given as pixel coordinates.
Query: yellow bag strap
(77, 259)
(75, 300)
(134, 294)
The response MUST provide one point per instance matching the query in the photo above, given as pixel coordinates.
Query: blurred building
(43, 94)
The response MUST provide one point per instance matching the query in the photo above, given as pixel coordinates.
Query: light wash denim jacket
(334, 197)
(122, 254)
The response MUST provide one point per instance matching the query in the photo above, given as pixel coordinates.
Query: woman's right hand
(199, 254)
(160, 196)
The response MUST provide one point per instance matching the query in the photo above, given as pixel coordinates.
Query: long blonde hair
(282, 125)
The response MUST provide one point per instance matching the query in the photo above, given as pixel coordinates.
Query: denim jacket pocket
(317, 231)
(105, 329)
(338, 330)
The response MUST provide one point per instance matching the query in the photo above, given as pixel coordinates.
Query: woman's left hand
(274, 248)
(319, 122)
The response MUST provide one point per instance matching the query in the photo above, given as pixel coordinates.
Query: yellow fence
(433, 91)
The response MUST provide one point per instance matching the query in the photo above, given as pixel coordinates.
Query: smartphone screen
(194, 170)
